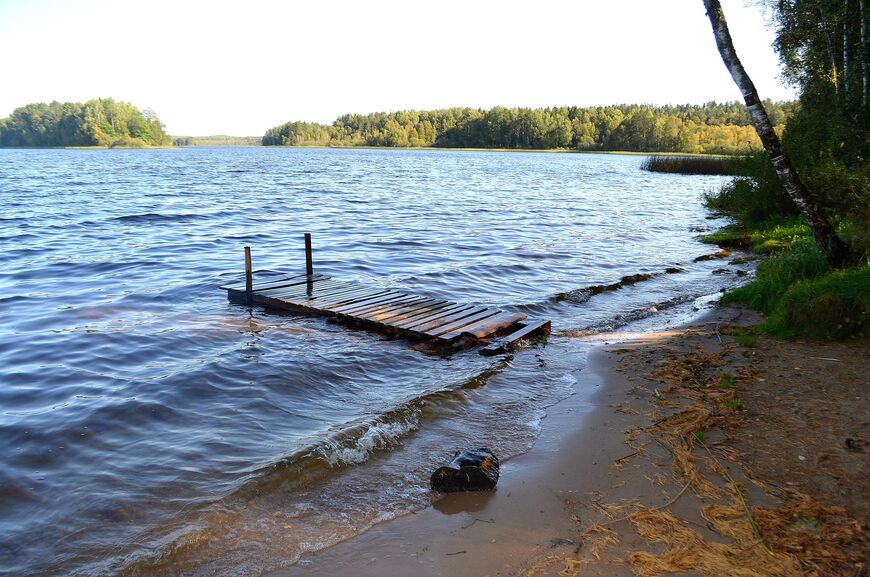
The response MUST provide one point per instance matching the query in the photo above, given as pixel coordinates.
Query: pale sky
(218, 67)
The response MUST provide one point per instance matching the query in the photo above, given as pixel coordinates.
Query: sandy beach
(702, 450)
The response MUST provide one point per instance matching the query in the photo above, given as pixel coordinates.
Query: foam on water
(377, 435)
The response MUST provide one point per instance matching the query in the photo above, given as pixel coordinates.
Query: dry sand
(663, 469)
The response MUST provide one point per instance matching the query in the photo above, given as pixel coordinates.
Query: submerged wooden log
(471, 470)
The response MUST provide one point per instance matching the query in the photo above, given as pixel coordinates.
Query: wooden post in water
(309, 263)
(249, 278)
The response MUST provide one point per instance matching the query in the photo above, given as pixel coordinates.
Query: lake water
(148, 426)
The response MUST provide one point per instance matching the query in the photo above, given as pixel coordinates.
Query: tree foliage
(825, 234)
(824, 51)
(184, 141)
(221, 140)
(98, 122)
(708, 128)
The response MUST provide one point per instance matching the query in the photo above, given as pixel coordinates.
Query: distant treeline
(98, 122)
(216, 140)
(708, 128)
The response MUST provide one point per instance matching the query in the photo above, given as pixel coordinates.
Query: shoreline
(528, 518)
(573, 503)
(416, 148)
(168, 146)
(465, 149)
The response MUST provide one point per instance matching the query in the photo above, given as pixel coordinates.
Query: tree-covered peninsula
(98, 122)
(708, 128)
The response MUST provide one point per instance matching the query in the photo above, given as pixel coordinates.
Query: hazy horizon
(210, 69)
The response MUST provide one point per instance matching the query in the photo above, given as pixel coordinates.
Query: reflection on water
(453, 503)
(148, 426)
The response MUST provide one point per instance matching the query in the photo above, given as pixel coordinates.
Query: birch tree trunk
(830, 46)
(825, 236)
(847, 60)
(865, 57)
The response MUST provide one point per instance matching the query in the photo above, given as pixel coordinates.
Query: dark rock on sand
(471, 470)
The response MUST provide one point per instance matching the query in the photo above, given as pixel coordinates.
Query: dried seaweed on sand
(687, 551)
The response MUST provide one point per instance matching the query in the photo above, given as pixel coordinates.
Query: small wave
(356, 445)
(584, 294)
(20, 237)
(151, 217)
(15, 299)
(85, 270)
(13, 493)
(624, 319)
(310, 467)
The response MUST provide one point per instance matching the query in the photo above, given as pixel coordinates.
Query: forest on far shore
(97, 122)
(712, 128)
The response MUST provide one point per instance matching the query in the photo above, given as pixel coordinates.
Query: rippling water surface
(149, 426)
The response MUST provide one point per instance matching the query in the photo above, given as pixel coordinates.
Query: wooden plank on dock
(484, 327)
(364, 308)
(381, 295)
(453, 308)
(291, 293)
(376, 297)
(297, 281)
(407, 311)
(339, 295)
(453, 325)
(276, 283)
(304, 298)
(387, 310)
(339, 306)
(424, 327)
(321, 287)
(415, 316)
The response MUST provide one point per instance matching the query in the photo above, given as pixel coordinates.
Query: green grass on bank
(775, 276)
(796, 288)
(829, 306)
(765, 238)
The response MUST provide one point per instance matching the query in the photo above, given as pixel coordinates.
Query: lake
(148, 426)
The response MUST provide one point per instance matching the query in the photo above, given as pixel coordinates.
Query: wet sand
(563, 508)
(497, 532)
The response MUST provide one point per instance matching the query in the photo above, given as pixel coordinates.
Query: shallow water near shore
(147, 426)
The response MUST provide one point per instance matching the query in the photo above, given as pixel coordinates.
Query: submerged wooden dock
(444, 322)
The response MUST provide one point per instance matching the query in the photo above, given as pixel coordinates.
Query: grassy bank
(803, 297)
(795, 287)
